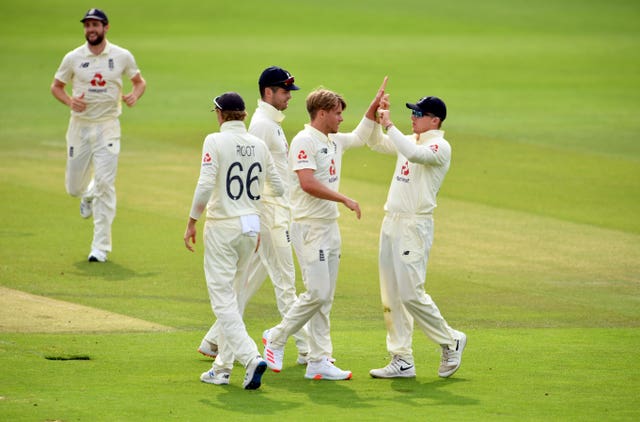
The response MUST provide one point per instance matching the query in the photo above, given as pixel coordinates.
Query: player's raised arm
(375, 103)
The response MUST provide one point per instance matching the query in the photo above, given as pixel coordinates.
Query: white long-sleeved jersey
(235, 166)
(420, 170)
(265, 124)
(311, 149)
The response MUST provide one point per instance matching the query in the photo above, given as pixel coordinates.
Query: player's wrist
(388, 126)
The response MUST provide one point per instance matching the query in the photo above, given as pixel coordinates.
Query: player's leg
(314, 270)
(320, 361)
(277, 258)
(78, 167)
(245, 285)
(415, 241)
(105, 163)
(222, 258)
(252, 277)
(320, 333)
(398, 321)
(419, 234)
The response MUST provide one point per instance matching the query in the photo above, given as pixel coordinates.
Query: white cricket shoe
(253, 376)
(96, 255)
(302, 359)
(325, 370)
(399, 367)
(273, 355)
(452, 358)
(217, 378)
(86, 210)
(208, 349)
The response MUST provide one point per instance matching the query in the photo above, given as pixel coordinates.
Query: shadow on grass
(254, 403)
(366, 394)
(109, 271)
(413, 392)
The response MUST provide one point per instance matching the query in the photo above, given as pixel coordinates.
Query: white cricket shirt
(265, 124)
(235, 166)
(99, 78)
(420, 170)
(311, 149)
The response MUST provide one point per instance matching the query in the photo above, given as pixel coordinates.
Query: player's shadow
(322, 392)
(414, 392)
(109, 271)
(234, 398)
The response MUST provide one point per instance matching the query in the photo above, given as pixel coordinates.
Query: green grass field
(537, 248)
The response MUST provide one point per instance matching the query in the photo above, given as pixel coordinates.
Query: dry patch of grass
(22, 312)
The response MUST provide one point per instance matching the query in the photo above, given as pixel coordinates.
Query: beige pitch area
(22, 312)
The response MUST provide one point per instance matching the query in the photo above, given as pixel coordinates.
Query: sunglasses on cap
(288, 81)
(418, 114)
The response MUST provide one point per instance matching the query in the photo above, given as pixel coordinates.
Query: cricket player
(423, 160)
(315, 160)
(93, 138)
(274, 257)
(235, 166)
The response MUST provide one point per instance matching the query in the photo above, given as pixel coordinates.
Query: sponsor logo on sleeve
(302, 157)
(206, 159)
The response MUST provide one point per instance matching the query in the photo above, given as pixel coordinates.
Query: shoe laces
(397, 363)
(448, 355)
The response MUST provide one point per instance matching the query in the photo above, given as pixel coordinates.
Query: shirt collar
(316, 134)
(429, 135)
(270, 111)
(107, 49)
(236, 126)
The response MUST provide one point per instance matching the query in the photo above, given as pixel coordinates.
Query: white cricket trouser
(94, 147)
(405, 242)
(227, 252)
(317, 246)
(274, 258)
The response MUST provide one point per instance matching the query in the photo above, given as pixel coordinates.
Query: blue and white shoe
(217, 378)
(253, 376)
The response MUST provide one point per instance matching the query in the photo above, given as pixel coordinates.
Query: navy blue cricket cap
(431, 105)
(277, 76)
(96, 14)
(229, 101)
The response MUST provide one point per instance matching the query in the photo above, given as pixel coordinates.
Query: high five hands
(380, 101)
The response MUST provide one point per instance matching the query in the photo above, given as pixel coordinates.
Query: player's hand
(353, 206)
(385, 117)
(384, 102)
(78, 104)
(375, 104)
(190, 235)
(130, 99)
